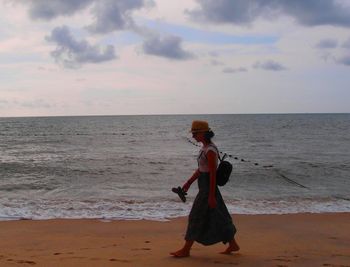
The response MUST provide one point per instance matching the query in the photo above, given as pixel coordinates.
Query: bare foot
(231, 248)
(182, 253)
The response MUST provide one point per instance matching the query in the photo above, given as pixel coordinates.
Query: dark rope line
(342, 198)
(231, 156)
(290, 180)
(257, 164)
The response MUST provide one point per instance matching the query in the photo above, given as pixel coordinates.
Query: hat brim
(199, 131)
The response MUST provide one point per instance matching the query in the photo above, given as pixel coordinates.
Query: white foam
(16, 209)
(99, 209)
(289, 207)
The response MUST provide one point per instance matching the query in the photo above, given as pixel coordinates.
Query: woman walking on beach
(209, 221)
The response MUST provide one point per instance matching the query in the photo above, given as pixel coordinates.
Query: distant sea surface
(123, 167)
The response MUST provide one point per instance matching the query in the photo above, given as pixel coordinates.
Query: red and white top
(202, 157)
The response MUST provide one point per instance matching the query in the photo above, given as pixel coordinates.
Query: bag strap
(218, 152)
(200, 155)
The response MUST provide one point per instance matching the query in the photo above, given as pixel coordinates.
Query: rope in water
(289, 180)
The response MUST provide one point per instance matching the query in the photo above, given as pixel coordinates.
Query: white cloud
(269, 65)
(345, 60)
(48, 10)
(234, 70)
(111, 15)
(138, 83)
(308, 13)
(72, 53)
(166, 46)
(327, 43)
(346, 44)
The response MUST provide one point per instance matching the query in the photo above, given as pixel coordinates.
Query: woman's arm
(211, 156)
(193, 178)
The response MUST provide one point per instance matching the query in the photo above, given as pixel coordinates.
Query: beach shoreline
(265, 240)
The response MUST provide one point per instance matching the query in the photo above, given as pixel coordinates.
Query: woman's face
(199, 137)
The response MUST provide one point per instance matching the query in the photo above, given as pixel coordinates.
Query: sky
(121, 57)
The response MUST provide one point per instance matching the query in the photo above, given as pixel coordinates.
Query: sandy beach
(265, 240)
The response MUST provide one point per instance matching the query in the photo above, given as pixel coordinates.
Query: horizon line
(174, 114)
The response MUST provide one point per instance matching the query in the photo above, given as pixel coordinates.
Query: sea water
(123, 167)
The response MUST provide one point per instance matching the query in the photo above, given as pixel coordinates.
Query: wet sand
(265, 240)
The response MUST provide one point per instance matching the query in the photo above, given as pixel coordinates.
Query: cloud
(111, 15)
(327, 43)
(169, 46)
(269, 65)
(214, 54)
(243, 12)
(48, 10)
(346, 44)
(345, 60)
(37, 103)
(234, 70)
(72, 53)
(108, 16)
(3, 103)
(31, 104)
(215, 62)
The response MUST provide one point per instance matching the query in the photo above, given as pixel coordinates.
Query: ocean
(123, 167)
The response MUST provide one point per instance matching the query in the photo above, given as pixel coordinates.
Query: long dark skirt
(209, 226)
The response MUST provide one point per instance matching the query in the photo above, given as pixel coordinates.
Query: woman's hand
(212, 202)
(194, 177)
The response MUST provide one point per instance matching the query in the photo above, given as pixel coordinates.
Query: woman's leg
(185, 251)
(233, 246)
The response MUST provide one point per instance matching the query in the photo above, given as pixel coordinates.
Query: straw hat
(199, 127)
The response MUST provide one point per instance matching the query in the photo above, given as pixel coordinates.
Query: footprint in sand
(22, 261)
(335, 265)
(114, 245)
(141, 249)
(119, 260)
(60, 253)
(280, 259)
(27, 262)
